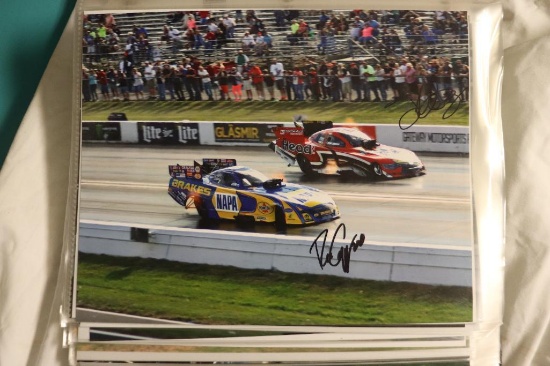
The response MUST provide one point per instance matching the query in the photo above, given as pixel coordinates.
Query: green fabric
(30, 31)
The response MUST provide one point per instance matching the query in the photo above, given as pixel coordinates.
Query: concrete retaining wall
(426, 265)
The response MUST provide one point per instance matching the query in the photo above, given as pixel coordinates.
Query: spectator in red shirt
(204, 16)
(103, 84)
(298, 83)
(366, 35)
(209, 41)
(313, 83)
(257, 80)
(411, 79)
(191, 22)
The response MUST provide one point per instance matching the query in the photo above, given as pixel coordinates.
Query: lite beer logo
(298, 148)
(187, 133)
(227, 202)
(169, 133)
(151, 133)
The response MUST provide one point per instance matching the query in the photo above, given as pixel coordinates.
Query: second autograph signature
(343, 256)
(433, 102)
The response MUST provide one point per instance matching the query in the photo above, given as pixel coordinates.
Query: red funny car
(320, 147)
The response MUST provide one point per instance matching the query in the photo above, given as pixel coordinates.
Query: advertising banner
(168, 133)
(452, 139)
(245, 132)
(100, 131)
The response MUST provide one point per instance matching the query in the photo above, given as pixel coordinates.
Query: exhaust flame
(331, 167)
(278, 175)
(350, 120)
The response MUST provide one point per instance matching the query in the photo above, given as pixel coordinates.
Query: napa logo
(227, 202)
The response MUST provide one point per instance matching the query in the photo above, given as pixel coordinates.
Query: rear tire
(199, 205)
(245, 221)
(304, 164)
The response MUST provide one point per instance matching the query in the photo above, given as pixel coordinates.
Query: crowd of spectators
(183, 31)
(240, 79)
(378, 30)
(383, 32)
(143, 72)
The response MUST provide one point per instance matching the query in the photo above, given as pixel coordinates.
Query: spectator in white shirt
(248, 41)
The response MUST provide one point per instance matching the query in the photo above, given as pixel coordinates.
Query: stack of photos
(263, 168)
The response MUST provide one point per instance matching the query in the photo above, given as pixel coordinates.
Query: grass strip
(258, 111)
(206, 294)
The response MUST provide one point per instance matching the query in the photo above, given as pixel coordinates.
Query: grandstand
(340, 46)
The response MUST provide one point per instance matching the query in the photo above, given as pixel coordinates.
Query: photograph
(255, 167)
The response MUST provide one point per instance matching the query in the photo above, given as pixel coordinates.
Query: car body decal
(225, 202)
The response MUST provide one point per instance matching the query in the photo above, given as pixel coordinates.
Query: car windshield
(356, 140)
(251, 178)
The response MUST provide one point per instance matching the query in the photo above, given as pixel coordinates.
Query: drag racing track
(127, 184)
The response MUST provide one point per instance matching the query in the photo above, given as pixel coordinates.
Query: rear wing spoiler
(310, 127)
(197, 170)
(185, 171)
(209, 165)
(302, 129)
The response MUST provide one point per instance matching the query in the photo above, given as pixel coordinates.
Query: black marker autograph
(433, 102)
(344, 254)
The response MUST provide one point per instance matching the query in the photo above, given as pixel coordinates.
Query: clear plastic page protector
(285, 183)
(524, 334)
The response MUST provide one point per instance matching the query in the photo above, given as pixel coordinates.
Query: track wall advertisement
(437, 139)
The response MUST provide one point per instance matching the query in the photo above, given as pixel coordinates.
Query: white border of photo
(477, 342)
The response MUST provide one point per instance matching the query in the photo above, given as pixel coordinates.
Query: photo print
(251, 173)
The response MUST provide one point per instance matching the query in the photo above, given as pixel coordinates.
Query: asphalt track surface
(127, 185)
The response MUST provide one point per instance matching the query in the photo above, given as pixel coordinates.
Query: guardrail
(445, 139)
(427, 264)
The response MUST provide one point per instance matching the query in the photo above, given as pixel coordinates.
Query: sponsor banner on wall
(100, 131)
(168, 133)
(245, 132)
(426, 138)
(436, 137)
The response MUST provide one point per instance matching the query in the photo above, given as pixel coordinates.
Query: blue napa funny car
(219, 189)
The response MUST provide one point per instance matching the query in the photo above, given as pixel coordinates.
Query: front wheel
(376, 170)
(280, 220)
